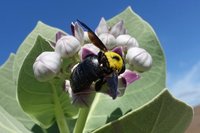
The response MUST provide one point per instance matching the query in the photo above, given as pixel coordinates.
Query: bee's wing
(93, 37)
(112, 82)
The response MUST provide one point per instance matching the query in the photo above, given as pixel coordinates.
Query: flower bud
(102, 27)
(108, 40)
(126, 41)
(47, 66)
(118, 29)
(67, 46)
(140, 59)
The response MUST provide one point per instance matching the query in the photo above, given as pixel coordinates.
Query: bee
(99, 69)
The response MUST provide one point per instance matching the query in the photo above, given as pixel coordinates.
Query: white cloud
(187, 86)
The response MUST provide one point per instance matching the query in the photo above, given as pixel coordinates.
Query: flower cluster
(115, 38)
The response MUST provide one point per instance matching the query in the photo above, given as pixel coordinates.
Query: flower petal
(86, 52)
(124, 80)
(88, 49)
(118, 29)
(129, 77)
(86, 37)
(119, 51)
(59, 34)
(102, 27)
(121, 86)
(79, 33)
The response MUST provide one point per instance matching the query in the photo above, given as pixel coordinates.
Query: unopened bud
(67, 46)
(108, 40)
(126, 41)
(47, 66)
(139, 58)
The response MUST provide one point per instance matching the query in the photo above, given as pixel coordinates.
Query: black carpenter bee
(99, 69)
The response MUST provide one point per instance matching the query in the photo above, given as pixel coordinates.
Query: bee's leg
(99, 84)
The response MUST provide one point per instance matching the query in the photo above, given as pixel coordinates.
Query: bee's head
(111, 61)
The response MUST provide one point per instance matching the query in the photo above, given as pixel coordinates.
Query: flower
(115, 30)
(124, 79)
(115, 39)
(47, 66)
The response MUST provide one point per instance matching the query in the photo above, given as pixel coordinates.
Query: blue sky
(177, 24)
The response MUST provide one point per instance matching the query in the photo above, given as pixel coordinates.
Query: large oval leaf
(8, 124)
(163, 114)
(43, 101)
(151, 83)
(8, 98)
(42, 29)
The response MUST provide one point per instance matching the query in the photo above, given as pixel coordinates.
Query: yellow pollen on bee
(115, 60)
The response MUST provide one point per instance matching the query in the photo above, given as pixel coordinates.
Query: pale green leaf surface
(104, 109)
(8, 124)
(41, 100)
(8, 98)
(163, 114)
(42, 29)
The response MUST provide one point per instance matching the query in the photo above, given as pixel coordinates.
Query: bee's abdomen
(85, 73)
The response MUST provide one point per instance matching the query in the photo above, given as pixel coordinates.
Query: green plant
(147, 106)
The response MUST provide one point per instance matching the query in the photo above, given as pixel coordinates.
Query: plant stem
(80, 123)
(44, 130)
(60, 117)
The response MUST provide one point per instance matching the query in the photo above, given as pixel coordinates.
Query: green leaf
(42, 29)
(140, 92)
(164, 114)
(8, 98)
(45, 102)
(9, 124)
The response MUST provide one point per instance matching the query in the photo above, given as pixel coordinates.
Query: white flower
(47, 66)
(126, 41)
(108, 40)
(139, 58)
(67, 46)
